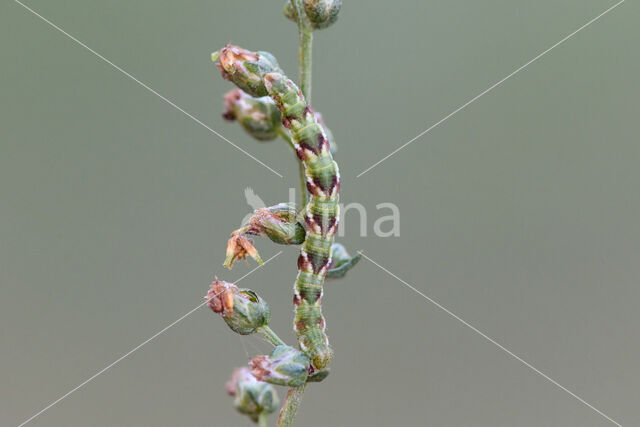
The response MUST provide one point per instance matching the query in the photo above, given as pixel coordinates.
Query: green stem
(304, 58)
(270, 336)
(290, 407)
(305, 33)
(262, 420)
(303, 176)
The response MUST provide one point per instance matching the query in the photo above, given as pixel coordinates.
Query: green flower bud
(280, 223)
(242, 309)
(258, 116)
(252, 397)
(322, 13)
(289, 11)
(284, 366)
(246, 69)
(341, 261)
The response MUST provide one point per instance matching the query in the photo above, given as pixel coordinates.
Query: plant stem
(303, 176)
(290, 407)
(304, 60)
(262, 420)
(270, 336)
(305, 33)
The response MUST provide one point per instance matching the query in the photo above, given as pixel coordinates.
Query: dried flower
(252, 397)
(242, 309)
(239, 247)
(284, 366)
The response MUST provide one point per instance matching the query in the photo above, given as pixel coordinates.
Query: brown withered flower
(220, 297)
(239, 247)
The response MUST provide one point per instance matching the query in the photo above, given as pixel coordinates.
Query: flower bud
(322, 13)
(341, 261)
(242, 309)
(279, 223)
(238, 247)
(258, 116)
(284, 366)
(252, 397)
(246, 69)
(289, 11)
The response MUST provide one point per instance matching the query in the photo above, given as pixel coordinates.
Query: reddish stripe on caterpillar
(321, 218)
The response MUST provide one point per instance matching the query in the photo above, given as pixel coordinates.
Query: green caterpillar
(321, 215)
(259, 74)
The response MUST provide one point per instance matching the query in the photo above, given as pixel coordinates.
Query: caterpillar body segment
(321, 215)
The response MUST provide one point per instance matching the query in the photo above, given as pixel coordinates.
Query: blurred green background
(520, 213)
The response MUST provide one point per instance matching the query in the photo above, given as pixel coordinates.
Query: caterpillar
(320, 214)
